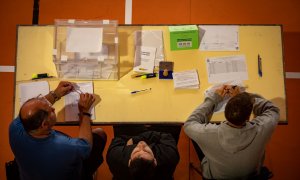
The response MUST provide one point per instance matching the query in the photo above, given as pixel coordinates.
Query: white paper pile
(186, 79)
(32, 89)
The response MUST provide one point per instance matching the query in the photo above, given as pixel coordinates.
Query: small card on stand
(166, 69)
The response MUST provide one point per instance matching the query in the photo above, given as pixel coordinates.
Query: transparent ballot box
(86, 49)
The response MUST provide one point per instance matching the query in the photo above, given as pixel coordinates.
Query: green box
(184, 37)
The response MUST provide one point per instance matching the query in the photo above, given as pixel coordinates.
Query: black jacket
(164, 149)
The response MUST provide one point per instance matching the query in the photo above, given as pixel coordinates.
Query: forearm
(263, 106)
(169, 155)
(52, 97)
(266, 115)
(85, 130)
(203, 112)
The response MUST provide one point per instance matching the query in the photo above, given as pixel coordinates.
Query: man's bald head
(33, 113)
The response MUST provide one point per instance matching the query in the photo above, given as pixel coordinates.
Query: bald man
(44, 153)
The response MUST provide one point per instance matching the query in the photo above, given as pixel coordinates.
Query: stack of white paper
(32, 89)
(186, 79)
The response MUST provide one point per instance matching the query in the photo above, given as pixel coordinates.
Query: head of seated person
(142, 162)
(238, 109)
(37, 116)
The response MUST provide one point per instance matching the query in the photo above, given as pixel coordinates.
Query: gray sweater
(231, 153)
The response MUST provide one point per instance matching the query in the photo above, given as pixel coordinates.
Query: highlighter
(146, 76)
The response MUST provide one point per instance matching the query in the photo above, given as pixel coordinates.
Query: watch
(86, 114)
(54, 95)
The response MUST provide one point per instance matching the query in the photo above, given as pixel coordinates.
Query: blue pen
(259, 66)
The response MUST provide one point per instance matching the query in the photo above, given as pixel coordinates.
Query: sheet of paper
(32, 89)
(228, 68)
(84, 39)
(219, 38)
(144, 59)
(186, 79)
(71, 102)
(151, 38)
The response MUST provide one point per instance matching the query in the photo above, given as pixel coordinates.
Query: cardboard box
(184, 37)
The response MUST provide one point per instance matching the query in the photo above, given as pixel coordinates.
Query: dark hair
(239, 108)
(140, 168)
(34, 121)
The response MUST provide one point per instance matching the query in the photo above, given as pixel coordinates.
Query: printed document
(186, 79)
(84, 39)
(151, 38)
(71, 102)
(33, 89)
(219, 38)
(228, 68)
(144, 59)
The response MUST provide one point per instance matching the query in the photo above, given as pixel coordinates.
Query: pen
(41, 76)
(259, 66)
(138, 75)
(138, 91)
(151, 75)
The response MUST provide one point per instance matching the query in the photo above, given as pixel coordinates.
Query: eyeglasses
(42, 98)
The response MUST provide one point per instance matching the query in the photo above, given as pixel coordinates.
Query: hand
(233, 91)
(63, 88)
(85, 102)
(129, 142)
(222, 91)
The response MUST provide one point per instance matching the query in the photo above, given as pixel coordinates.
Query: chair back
(12, 170)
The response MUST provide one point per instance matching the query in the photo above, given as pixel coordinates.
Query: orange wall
(283, 154)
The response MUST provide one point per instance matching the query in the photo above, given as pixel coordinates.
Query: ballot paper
(72, 99)
(32, 89)
(186, 79)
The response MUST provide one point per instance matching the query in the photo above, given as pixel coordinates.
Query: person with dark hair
(44, 153)
(235, 148)
(147, 156)
(239, 109)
